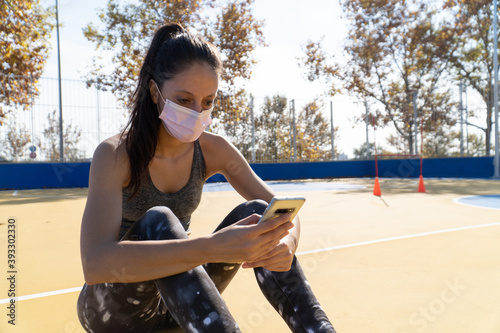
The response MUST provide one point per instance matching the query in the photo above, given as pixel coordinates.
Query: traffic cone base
(376, 188)
(421, 186)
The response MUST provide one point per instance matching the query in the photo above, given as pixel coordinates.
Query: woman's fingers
(245, 241)
(274, 223)
(270, 236)
(279, 259)
(249, 220)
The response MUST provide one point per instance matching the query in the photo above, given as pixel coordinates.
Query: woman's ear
(153, 90)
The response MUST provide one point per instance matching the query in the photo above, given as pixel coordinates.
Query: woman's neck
(170, 147)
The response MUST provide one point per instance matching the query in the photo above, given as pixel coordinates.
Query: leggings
(192, 299)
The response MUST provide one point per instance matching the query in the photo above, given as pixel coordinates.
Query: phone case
(281, 205)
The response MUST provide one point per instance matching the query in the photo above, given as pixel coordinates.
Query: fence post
(466, 121)
(415, 121)
(294, 131)
(496, 161)
(32, 115)
(253, 128)
(461, 120)
(367, 139)
(61, 137)
(98, 115)
(332, 130)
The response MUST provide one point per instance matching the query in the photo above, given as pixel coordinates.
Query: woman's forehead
(196, 79)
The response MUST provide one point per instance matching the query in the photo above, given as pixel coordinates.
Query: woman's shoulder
(214, 142)
(219, 153)
(114, 145)
(111, 155)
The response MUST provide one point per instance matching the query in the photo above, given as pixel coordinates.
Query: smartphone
(280, 205)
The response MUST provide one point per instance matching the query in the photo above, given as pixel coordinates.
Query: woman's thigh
(119, 307)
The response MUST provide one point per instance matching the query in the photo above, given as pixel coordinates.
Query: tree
(273, 130)
(313, 133)
(231, 117)
(25, 29)
(394, 49)
(18, 138)
(472, 61)
(362, 153)
(477, 145)
(439, 138)
(129, 28)
(236, 33)
(50, 143)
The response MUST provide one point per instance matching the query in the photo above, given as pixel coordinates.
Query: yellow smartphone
(280, 205)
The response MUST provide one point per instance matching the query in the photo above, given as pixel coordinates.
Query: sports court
(402, 262)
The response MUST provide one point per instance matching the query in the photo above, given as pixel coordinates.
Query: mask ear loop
(159, 92)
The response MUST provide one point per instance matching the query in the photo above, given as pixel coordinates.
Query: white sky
(289, 24)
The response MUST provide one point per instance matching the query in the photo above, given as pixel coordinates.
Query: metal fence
(89, 116)
(265, 129)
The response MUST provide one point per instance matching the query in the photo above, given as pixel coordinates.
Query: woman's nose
(197, 106)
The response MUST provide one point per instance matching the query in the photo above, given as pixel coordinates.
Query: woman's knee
(256, 206)
(159, 214)
(157, 223)
(243, 210)
(248, 208)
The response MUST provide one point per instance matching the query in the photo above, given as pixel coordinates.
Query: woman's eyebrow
(191, 94)
(184, 91)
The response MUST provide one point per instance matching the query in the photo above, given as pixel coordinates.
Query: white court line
(395, 238)
(70, 290)
(16, 194)
(48, 293)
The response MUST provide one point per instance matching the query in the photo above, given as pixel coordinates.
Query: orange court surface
(402, 262)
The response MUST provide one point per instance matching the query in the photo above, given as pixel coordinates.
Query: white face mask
(183, 123)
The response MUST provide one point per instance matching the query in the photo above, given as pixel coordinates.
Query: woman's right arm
(106, 259)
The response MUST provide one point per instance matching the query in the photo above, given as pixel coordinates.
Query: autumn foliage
(402, 55)
(25, 29)
(126, 31)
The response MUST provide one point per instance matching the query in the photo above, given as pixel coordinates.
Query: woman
(142, 272)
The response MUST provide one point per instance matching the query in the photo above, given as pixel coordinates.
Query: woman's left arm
(224, 158)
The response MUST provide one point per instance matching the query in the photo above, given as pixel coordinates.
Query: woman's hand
(249, 242)
(278, 260)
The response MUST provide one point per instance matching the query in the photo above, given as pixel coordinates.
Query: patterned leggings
(193, 298)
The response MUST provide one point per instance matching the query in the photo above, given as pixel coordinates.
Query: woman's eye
(209, 103)
(183, 100)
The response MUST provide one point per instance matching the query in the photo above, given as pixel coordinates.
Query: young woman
(142, 272)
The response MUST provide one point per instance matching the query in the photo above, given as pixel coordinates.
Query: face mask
(183, 123)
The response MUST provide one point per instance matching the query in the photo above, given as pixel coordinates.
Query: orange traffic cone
(421, 186)
(376, 188)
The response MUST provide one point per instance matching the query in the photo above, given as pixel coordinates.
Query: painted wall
(60, 175)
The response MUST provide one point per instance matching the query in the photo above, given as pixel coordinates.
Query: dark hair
(172, 50)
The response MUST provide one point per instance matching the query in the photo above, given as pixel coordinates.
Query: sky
(289, 24)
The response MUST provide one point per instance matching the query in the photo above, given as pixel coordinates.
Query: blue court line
(489, 201)
(70, 290)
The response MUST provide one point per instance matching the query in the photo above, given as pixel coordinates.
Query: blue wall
(44, 175)
(59, 175)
